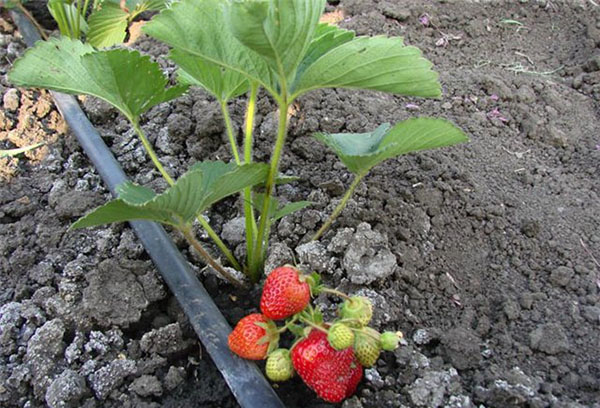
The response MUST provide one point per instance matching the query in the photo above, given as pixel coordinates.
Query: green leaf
(362, 151)
(67, 17)
(125, 79)
(326, 38)
(224, 179)
(279, 30)
(290, 208)
(276, 211)
(223, 83)
(16, 152)
(138, 6)
(193, 193)
(107, 26)
(199, 27)
(134, 193)
(375, 63)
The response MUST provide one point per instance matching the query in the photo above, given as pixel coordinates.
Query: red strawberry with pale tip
(253, 337)
(284, 294)
(332, 374)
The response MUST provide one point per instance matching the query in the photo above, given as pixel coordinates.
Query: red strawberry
(332, 374)
(284, 293)
(253, 336)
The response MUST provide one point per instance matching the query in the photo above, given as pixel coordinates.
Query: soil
(490, 249)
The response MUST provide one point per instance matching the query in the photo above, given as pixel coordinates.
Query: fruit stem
(367, 333)
(288, 324)
(313, 325)
(335, 292)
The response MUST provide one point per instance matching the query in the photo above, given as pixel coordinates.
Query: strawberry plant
(107, 23)
(328, 356)
(230, 48)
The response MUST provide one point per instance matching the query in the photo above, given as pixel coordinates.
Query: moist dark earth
(485, 255)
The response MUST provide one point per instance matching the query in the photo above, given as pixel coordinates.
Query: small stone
(422, 337)
(166, 340)
(278, 255)
(591, 314)
(66, 390)
(368, 257)
(341, 240)
(11, 99)
(353, 402)
(108, 378)
(43, 350)
(561, 275)
(174, 378)
(531, 228)
(398, 12)
(512, 310)
(461, 348)
(234, 231)
(549, 338)
(114, 296)
(146, 386)
(430, 390)
(315, 256)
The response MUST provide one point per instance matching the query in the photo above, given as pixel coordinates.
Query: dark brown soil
(494, 275)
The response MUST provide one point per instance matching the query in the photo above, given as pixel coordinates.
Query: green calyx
(358, 310)
(340, 336)
(390, 340)
(279, 365)
(271, 336)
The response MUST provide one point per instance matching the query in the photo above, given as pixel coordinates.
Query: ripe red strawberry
(284, 293)
(253, 336)
(332, 374)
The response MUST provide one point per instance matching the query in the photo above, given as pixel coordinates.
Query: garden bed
(485, 250)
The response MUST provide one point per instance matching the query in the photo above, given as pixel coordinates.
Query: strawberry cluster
(328, 356)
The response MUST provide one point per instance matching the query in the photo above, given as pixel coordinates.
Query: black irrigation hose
(245, 380)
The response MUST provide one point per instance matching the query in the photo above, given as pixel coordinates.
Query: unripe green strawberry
(367, 346)
(340, 336)
(279, 365)
(389, 340)
(358, 308)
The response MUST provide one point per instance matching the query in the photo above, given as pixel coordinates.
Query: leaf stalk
(250, 220)
(339, 207)
(189, 236)
(262, 238)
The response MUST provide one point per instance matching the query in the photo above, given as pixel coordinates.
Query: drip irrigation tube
(245, 380)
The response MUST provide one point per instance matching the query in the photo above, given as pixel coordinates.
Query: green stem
(339, 207)
(151, 153)
(334, 292)
(189, 236)
(288, 324)
(211, 233)
(262, 239)
(78, 19)
(249, 217)
(312, 324)
(217, 240)
(230, 134)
